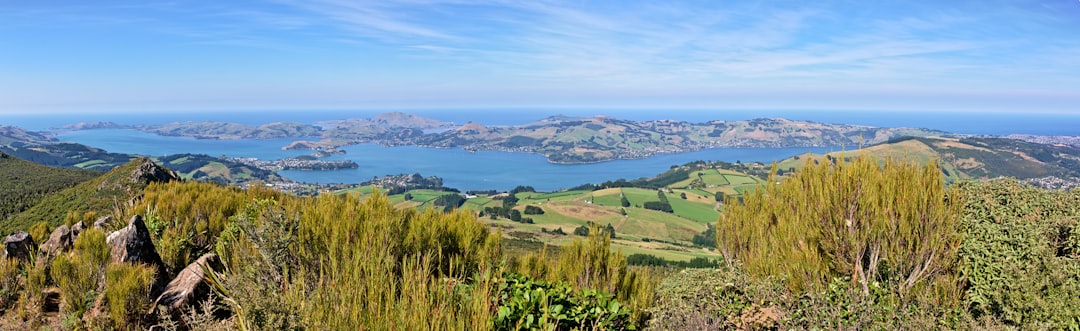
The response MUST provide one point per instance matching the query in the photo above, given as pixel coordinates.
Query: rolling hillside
(971, 158)
(91, 198)
(23, 183)
(690, 190)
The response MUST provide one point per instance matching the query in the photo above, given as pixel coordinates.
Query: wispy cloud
(603, 47)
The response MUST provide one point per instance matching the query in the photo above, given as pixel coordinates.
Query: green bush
(529, 304)
(79, 274)
(9, 283)
(127, 293)
(1020, 255)
(731, 299)
(890, 224)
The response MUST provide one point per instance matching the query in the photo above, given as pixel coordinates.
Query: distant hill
(15, 135)
(220, 130)
(388, 120)
(100, 195)
(208, 168)
(93, 126)
(23, 183)
(42, 149)
(561, 139)
(578, 140)
(973, 157)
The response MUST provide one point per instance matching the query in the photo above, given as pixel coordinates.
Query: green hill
(23, 183)
(974, 157)
(101, 195)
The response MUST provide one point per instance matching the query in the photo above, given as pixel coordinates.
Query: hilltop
(975, 158)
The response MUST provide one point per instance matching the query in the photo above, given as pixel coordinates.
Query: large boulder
(60, 240)
(133, 244)
(189, 287)
(18, 245)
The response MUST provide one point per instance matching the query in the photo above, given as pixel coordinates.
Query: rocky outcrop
(149, 172)
(132, 244)
(188, 287)
(18, 246)
(60, 240)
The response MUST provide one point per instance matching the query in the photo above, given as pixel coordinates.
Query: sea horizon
(961, 122)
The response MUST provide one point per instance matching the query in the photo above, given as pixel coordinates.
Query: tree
(582, 231)
(624, 202)
(408, 197)
(533, 210)
(510, 201)
(707, 238)
(660, 206)
(682, 195)
(515, 215)
(520, 189)
(610, 230)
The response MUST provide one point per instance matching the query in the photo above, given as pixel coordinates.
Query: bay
(460, 169)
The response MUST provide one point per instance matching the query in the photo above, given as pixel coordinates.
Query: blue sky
(99, 56)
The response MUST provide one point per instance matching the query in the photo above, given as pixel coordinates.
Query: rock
(188, 288)
(132, 244)
(76, 229)
(148, 172)
(102, 222)
(60, 240)
(18, 245)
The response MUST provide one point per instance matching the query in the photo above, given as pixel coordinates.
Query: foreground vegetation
(330, 262)
(864, 244)
(849, 243)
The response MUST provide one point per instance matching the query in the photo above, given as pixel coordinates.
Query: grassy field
(638, 230)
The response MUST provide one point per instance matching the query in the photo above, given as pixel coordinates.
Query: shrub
(80, 273)
(533, 210)
(581, 231)
(40, 231)
(30, 301)
(9, 283)
(659, 205)
(528, 304)
(893, 224)
(1020, 254)
(127, 292)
